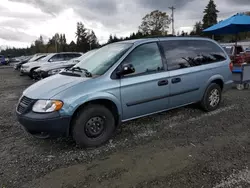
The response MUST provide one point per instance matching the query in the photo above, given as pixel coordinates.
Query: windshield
(104, 58)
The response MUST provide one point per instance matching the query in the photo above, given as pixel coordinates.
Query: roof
(139, 41)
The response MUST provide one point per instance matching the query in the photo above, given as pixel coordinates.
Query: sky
(23, 21)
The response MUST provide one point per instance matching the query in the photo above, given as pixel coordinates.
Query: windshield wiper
(79, 69)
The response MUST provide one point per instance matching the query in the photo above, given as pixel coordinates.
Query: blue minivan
(124, 81)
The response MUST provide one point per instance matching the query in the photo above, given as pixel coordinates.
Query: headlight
(25, 66)
(44, 106)
(55, 71)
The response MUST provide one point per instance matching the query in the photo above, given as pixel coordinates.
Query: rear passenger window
(189, 53)
(145, 59)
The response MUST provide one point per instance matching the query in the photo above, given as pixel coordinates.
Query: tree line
(85, 41)
(154, 24)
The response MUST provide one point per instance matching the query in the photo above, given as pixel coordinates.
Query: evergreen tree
(72, 47)
(210, 15)
(115, 39)
(92, 40)
(110, 40)
(197, 30)
(82, 38)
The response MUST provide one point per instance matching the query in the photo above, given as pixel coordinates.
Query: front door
(145, 91)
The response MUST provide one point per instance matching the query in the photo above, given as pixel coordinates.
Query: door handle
(176, 80)
(163, 83)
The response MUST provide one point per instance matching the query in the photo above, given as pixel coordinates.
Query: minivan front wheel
(93, 126)
(212, 97)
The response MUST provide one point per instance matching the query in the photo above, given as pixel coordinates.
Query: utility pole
(172, 8)
(56, 43)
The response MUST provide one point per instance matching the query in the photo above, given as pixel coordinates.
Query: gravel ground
(180, 148)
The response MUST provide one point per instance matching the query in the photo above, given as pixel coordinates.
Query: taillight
(231, 66)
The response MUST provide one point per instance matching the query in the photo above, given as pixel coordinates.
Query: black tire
(81, 128)
(208, 105)
(32, 72)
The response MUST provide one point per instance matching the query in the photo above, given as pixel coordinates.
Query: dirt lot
(180, 148)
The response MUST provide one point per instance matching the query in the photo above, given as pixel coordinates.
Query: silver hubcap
(214, 97)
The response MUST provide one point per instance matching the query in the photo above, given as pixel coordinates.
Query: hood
(17, 63)
(57, 66)
(32, 63)
(49, 87)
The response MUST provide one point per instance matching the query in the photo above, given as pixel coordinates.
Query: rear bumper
(45, 125)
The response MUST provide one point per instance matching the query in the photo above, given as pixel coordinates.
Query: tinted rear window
(188, 53)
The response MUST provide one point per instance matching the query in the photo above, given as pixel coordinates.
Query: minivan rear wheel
(93, 126)
(212, 97)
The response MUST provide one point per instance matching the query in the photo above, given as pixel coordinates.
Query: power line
(172, 8)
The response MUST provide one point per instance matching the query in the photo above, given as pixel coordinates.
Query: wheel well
(33, 69)
(219, 82)
(107, 103)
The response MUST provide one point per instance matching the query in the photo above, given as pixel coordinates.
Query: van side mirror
(126, 69)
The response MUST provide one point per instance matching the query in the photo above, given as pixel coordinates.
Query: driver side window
(145, 59)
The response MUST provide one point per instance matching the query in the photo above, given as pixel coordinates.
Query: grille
(21, 109)
(24, 104)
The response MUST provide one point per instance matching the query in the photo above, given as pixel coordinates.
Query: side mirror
(126, 69)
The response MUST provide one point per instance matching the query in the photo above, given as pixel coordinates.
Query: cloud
(47, 6)
(15, 35)
(163, 4)
(105, 17)
(14, 23)
(241, 2)
(102, 7)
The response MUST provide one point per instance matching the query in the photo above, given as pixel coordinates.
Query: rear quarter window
(189, 53)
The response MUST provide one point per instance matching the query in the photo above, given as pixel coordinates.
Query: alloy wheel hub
(214, 97)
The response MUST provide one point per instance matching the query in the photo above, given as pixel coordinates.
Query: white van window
(188, 53)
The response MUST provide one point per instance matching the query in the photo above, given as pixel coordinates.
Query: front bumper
(24, 71)
(45, 125)
(44, 74)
